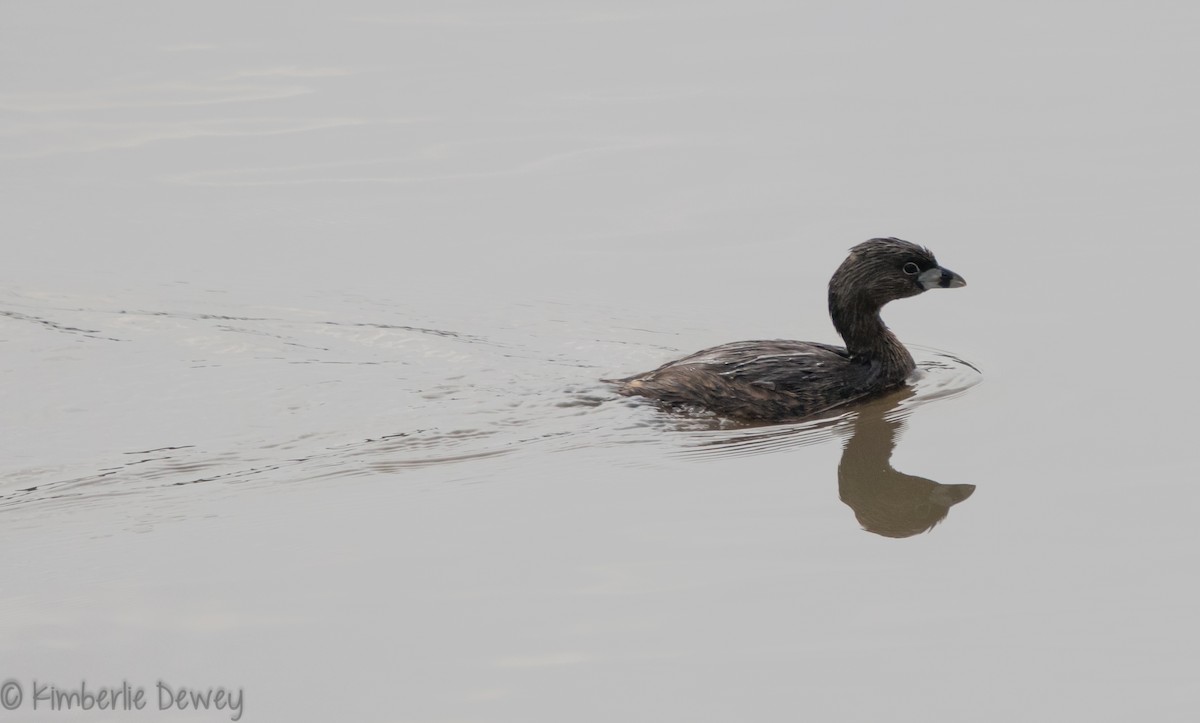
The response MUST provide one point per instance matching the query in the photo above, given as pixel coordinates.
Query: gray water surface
(304, 308)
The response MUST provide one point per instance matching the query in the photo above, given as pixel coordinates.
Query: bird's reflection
(885, 501)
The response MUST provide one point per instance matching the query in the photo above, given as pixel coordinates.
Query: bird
(782, 380)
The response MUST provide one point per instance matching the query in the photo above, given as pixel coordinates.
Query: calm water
(303, 312)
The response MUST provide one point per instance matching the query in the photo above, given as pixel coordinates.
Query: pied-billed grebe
(783, 380)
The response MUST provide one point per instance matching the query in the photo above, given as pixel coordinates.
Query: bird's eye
(910, 268)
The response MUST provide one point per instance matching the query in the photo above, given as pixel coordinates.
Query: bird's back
(754, 380)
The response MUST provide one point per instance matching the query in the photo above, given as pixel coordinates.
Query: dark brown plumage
(785, 380)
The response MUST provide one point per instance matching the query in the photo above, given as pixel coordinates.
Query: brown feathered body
(785, 380)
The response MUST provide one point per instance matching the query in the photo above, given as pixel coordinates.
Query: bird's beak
(939, 278)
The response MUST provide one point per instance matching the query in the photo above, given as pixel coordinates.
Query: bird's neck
(858, 322)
